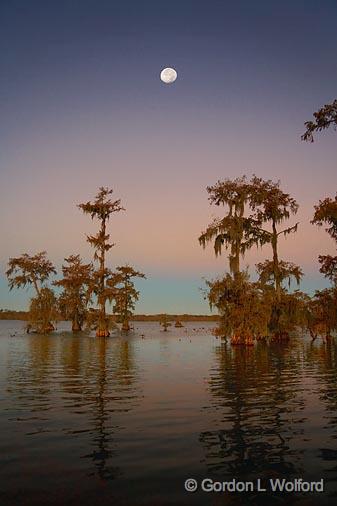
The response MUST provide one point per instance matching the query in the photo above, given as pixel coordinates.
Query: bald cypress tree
(273, 207)
(29, 270)
(236, 298)
(322, 308)
(35, 270)
(324, 303)
(126, 294)
(101, 208)
(238, 231)
(326, 214)
(77, 287)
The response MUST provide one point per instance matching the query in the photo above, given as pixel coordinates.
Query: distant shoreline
(173, 317)
(22, 315)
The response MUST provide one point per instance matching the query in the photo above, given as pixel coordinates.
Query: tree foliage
(77, 286)
(322, 308)
(329, 267)
(326, 214)
(126, 294)
(321, 313)
(164, 322)
(29, 270)
(35, 271)
(287, 272)
(323, 119)
(43, 312)
(237, 230)
(244, 307)
(272, 205)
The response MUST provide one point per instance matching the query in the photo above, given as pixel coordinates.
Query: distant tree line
(9, 314)
(82, 284)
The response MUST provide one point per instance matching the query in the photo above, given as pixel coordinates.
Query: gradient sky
(82, 106)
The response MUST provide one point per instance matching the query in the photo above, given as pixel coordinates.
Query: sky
(82, 106)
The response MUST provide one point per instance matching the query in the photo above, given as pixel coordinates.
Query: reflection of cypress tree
(29, 382)
(89, 384)
(125, 364)
(322, 359)
(71, 357)
(42, 353)
(102, 437)
(122, 377)
(256, 389)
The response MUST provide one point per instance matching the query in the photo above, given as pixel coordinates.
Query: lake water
(125, 421)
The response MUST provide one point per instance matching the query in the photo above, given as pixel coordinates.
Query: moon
(168, 75)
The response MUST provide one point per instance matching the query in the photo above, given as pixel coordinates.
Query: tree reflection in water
(257, 402)
(111, 376)
(321, 361)
(79, 390)
(73, 405)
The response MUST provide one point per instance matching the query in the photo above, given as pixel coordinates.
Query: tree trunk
(102, 330)
(36, 286)
(76, 326)
(235, 259)
(276, 267)
(49, 327)
(125, 326)
(276, 311)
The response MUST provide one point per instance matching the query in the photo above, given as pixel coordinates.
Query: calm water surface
(127, 420)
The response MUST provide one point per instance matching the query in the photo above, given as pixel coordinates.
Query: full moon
(168, 75)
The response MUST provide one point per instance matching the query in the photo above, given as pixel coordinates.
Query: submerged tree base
(102, 333)
(280, 337)
(243, 341)
(36, 329)
(126, 327)
(218, 332)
